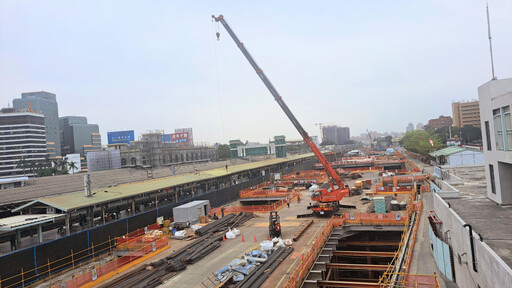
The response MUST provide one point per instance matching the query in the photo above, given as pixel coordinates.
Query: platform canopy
(14, 223)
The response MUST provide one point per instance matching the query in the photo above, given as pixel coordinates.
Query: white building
(22, 142)
(495, 99)
(457, 156)
(75, 158)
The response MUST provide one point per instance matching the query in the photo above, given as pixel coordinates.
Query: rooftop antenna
(490, 42)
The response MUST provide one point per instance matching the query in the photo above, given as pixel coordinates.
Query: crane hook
(218, 36)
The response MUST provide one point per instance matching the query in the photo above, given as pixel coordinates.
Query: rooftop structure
(477, 230)
(495, 108)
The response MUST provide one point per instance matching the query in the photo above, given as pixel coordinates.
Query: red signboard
(181, 137)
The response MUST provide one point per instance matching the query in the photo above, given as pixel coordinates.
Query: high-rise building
(78, 136)
(409, 127)
(22, 142)
(335, 135)
(46, 104)
(466, 114)
(442, 121)
(495, 109)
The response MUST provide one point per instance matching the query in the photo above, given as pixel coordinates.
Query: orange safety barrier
(114, 266)
(68, 263)
(257, 208)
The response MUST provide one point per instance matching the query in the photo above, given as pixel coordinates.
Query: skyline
(140, 67)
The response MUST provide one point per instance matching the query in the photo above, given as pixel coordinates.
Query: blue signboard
(118, 137)
(166, 138)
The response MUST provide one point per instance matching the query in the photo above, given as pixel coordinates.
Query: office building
(79, 137)
(22, 142)
(495, 99)
(442, 121)
(44, 103)
(466, 114)
(335, 135)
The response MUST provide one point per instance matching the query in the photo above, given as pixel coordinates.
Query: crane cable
(216, 30)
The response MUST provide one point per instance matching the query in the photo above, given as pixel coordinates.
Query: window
(493, 185)
(508, 127)
(488, 136)
(498, 128)
(503, 127)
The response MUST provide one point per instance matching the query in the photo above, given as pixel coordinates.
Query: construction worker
(288, 203)
(13, 242)
(298, 199)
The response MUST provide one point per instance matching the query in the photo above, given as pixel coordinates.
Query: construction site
(322, 219)
(301, 222)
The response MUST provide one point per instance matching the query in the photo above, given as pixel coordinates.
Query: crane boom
(327, 167)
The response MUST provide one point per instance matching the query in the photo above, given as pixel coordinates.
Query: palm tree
(72, 166)
(63, 165)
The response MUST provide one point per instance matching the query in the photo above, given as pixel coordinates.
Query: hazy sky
(148, 65)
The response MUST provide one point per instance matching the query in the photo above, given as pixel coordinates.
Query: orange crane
(328, 201)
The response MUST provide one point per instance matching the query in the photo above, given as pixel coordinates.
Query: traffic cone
(224, 237)
(255, 238)
(243, 240)
(268, 238)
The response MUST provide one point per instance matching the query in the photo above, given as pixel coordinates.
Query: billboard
(182, 137)
(166, 138)
(118, 137)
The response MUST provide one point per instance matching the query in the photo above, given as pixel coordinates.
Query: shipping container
(191, 211)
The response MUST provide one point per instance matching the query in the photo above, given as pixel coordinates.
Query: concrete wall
(492, 270)
(492, 95)
(444, 189)
(468, 157)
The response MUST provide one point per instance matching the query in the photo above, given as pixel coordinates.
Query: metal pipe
(472, 246)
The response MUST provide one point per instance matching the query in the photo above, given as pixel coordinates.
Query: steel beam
(366, 267)
(363, 253)
(347, 284)
(370, 243)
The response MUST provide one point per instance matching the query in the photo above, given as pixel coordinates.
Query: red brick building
(442, 121)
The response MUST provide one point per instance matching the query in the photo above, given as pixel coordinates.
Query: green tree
(72, 166)
(223, 151)
(418, 141)
(23, 164)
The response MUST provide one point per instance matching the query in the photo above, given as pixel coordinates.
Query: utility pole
(490, 41)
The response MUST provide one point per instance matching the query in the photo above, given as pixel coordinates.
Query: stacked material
(253, 268)
(157, 272)
(224, 223)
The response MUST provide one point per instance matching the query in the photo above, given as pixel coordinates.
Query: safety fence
(308, 258)
(261, 191)
(52, 271)
(256, 208)
(138, 248)
(411, 281)
(31, 264)
(309, 175)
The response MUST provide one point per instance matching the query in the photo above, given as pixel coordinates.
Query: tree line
(46, 167)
